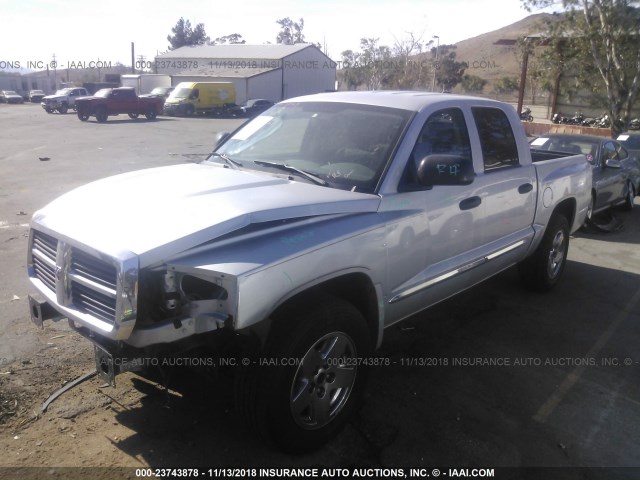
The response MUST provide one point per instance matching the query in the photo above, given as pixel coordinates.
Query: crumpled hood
(157, 213)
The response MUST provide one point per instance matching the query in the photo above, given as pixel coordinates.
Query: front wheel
(150, 113)
(302, 404)
(83, 116)
(63, 108)
(542, 270)
(628, 201)
(189, 110)
(133, 115)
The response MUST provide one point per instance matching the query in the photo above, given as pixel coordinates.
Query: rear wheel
(303, 403)
(542, 270)
(101, 114)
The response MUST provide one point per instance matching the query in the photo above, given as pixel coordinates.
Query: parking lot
(495, 377)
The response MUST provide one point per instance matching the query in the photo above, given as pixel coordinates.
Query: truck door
(505, 184)
(439, 226)
(115, 103)
(611, 181)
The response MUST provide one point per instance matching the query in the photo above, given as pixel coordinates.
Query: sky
(80, 31)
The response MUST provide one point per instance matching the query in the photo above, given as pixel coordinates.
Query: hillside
(490, 61)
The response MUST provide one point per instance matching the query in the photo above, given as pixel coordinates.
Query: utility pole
(435, 65)
(133, 58)
(54, 64)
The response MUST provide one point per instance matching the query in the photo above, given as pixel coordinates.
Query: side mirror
(612, 163)
(440, 169)
(220, 138)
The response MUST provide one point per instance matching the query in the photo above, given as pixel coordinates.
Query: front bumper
(175, 108)
(114, 357)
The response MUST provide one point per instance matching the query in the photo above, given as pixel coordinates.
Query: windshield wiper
(290, 168)
(231, 163)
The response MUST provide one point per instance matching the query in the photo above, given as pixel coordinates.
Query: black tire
(542, 270)
(300, 407)
(49, 110)
(83, 116)
(189, 110)
(151, 113)
(133, 115)
(63, 108)
(628, 201)
(101, 114)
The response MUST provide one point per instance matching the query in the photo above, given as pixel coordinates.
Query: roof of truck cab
(406, 100)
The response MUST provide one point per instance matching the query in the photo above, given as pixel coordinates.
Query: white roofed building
(274, 72)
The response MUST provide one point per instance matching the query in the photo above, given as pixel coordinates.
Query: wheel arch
(567, 208)
(356, 288)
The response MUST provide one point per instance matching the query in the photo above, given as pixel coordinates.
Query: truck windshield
(180, 93)
(346, 144)
(104, 93)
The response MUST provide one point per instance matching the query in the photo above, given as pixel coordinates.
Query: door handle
(525, 188)
(469, 203)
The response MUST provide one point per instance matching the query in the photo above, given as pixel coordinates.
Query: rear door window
(499, 148)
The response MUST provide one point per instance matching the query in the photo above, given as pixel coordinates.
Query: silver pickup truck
(63, 99)
(305, 234)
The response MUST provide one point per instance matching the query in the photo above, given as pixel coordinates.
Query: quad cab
(116, 101)
(305, 234)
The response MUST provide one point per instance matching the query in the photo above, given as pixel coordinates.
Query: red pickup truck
(114, 101)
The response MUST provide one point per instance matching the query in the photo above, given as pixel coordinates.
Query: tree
(351, 71)
(290, 31)
(376, 63)
(448, 72)
(473, 83)
(233, 39)
(410, 71)
(506, 85)
(604, 45)
(184, 35)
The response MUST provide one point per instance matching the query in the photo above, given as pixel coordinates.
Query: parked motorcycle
(603, 121)
(559, 118)
(526, 115)
(577, 119)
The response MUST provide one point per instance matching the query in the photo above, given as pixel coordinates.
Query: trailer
(145, 82)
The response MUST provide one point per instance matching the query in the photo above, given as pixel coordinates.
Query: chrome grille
(93, 286)
(94, 303)
(94, 269)
(43, 251)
